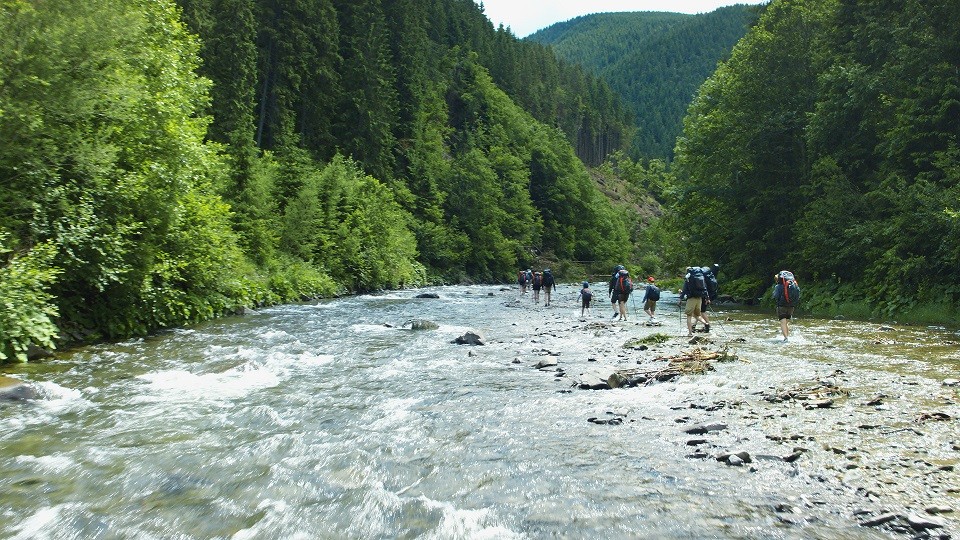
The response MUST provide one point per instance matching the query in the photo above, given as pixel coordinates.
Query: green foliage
(849, 115)
(27, 311)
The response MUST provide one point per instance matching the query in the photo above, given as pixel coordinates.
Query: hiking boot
(615, 315)
(706, 328)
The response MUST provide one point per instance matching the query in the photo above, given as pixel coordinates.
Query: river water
(336, 420)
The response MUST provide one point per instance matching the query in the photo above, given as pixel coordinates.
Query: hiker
(622, 288)
(613, 297)
(650, 296)
(522, 281)
(548, 284)
(693, 292)
(710, 279)
(536, 284)
(586, 296)
(786, 293)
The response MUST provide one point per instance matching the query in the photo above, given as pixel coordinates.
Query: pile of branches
(819, 394)
(695, 362)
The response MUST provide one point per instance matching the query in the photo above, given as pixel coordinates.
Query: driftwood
(694, 362)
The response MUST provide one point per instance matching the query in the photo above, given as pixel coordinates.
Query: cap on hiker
(585, 284)
(650, 279)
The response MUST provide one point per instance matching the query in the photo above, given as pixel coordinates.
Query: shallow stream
(337, 420)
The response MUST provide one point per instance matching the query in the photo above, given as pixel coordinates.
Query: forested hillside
(163, 164)
(829, 144)
(654, 61)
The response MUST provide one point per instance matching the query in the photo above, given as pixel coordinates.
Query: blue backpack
(711, 281)
(697, 282)
(789, 292)
(653, 293)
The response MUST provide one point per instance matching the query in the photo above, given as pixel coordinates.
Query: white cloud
(525, 17)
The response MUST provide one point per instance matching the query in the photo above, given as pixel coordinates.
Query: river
(336, 420)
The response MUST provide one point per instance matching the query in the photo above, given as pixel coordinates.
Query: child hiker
(586, 295)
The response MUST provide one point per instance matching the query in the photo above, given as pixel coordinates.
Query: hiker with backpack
(614, 299)
(710, 279)
(549, 283)
(650, 296)
(622, 288)
(693, 292)
(522, 281)
(536, 284)
(786, 293)
(586, 296)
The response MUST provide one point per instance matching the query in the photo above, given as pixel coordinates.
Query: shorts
(784, 312)
(693, 307)
(623, 297)
(650, 305)
(586, 301)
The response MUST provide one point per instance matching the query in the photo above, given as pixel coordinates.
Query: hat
(585, 284)
(650, 279)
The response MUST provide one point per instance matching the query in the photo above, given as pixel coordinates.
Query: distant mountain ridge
(654, 60)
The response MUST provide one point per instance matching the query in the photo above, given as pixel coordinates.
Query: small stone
(920, 523)
(879, 520)
(548, 362)
(516, 360)
(696, 442)
(818, 404)
(734, 461)
(951, 382)
(705, 428)
(938, 509)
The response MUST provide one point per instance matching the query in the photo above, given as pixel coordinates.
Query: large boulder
(15, 390)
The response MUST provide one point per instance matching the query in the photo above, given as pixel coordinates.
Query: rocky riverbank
(878, 448)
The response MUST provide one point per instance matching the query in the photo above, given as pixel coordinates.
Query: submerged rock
(423, 324)
(705, 428)
(427, 295)
(12, 389)
(469, 338)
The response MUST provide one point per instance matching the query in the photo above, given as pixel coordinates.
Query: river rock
(735, 458)
(615, 421)
(427, 295)
(548, 362)
(423, 324)
(705, 428)
(920, 523)
(937, 509)
(594, 379)
(12, 389)
(469, 338)
(951, 382)
(818, 404)
(879, 520)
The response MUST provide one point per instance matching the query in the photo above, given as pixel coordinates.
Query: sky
(525, 17)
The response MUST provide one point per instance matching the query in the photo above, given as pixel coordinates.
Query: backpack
(547, 278)
(653, 293)
(587, 294)
(697, 283)
(521, 277)
(711, 281)
(536, 281)
(624, 283)
(789, 289)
